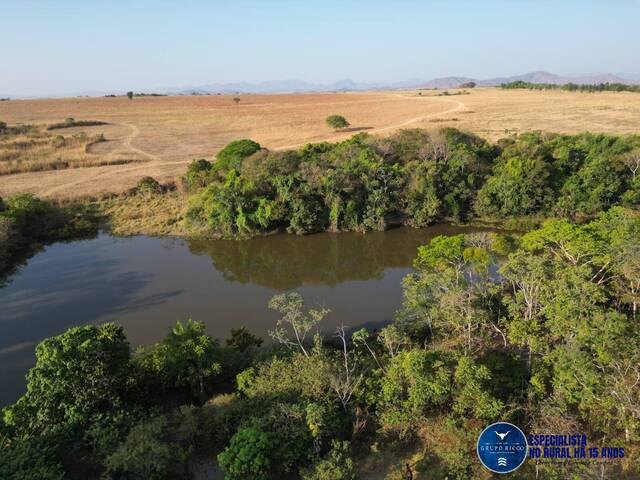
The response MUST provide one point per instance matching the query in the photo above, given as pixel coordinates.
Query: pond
(146, 284)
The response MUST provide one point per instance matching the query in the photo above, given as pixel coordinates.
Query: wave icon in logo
(502, 447)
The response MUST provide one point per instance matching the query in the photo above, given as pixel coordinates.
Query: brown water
(146, 284)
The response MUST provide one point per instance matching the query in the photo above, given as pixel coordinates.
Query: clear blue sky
(64, 46)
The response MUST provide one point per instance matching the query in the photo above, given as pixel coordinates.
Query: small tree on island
(337, 122)
(130, 95)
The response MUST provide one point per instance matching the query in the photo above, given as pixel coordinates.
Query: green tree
(130, 95)
(186, 358)
(232, 155)
(292, 308)
(337, 122)
(79, 376)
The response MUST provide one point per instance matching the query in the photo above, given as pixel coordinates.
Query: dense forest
(572, 87)
(540, 329)
(415, 178)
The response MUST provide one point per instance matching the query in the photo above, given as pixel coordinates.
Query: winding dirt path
(90, 181)
(135, 131)
(114, 170)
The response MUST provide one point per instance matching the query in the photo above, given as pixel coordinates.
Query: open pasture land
(159, 136)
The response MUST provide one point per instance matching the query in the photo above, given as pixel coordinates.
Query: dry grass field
(163, 134)
(38, 150)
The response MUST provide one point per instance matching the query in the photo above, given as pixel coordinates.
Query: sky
(65, 46)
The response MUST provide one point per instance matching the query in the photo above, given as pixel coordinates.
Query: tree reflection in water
(286, 262)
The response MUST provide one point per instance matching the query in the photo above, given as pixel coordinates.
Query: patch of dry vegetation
(169, 132)
(30, 149)
(144, 214)
(72, 122)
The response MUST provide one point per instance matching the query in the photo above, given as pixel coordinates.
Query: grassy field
(36, 149)
(166, 133)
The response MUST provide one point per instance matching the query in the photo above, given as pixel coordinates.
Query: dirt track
(98, 180)
(161, 135)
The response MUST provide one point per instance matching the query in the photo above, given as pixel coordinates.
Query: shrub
(337, 122)
(242, 339)
(145, 453)
(221, 417)
(31, 459)
(148, 186)
(8, 241)
(198, 174)
(30, 214)
(248, 455)
(337, 465)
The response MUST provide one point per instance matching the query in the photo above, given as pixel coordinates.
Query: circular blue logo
(502, 447)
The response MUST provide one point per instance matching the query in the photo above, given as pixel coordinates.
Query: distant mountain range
(348, 85)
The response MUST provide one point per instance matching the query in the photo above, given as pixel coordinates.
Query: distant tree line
(414, 178)
(572, 87)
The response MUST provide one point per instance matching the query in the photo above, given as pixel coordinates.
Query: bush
(198, 174)
(31, 459)
(221, 417)
(26, 222)
(8, 241)
(31, 216)
(145, 453)
(148, 186)
(248, 455)
(337, 465)
(337, 122)
(242, 339)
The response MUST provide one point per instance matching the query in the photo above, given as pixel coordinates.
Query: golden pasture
(161, 135)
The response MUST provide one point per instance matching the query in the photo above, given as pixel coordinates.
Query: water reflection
(287, 262)
(146, 284)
